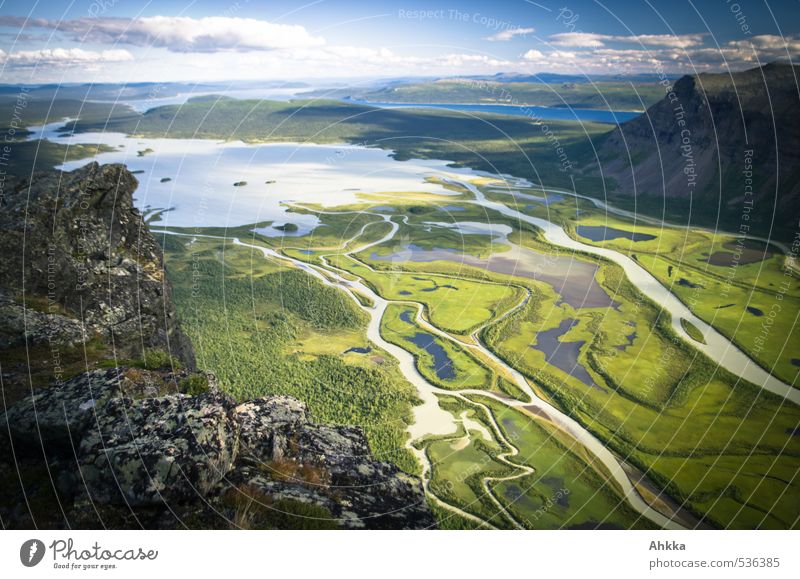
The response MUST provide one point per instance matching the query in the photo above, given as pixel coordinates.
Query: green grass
(565, 491)
(454, 305)
(693, 331)
(469, 373)
(723, 292)
(663, 407)
(662, 399)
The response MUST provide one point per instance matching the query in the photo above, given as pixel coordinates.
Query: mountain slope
(719, 146)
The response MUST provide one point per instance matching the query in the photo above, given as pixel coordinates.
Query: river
(201, 193)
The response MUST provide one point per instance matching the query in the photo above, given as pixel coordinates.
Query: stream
(717, 347)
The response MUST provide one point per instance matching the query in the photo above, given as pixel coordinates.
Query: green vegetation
(665, 409)
(29, 156)
(565, 490)
(742, 288)
(652, 399)
(263, 328)
(20, 112)
(452, 367)
(595, 95)
(194, 385)
(455, 305)
(693, 331)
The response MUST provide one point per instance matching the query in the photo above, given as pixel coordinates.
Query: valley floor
(532, 386)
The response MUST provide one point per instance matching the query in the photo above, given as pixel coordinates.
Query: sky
(223, 40)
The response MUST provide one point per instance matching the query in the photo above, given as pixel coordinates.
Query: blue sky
(123, 40)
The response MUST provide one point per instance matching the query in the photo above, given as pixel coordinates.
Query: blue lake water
(564, 355)
(442, 364)
(530, 112)
(603, 233)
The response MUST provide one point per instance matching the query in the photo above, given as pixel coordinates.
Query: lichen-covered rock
(59, 416)
(285, 457)
(76, 240)
(20, 325)
(158, 450)
(126, 441)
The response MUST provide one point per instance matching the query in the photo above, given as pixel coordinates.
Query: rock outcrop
(149, 442)
(77, 254)
(125, 444)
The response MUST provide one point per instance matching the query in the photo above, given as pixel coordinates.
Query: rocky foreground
(98, 442)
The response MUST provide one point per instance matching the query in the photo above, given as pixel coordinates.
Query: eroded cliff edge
(107, 421)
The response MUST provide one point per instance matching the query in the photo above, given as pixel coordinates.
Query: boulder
(158, 450)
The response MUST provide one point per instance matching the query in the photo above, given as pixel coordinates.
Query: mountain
(108, 424)
(723, 149)
(556, 78)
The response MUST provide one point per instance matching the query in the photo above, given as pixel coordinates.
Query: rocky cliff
(729, 143)
(80, 276)
(108, 424)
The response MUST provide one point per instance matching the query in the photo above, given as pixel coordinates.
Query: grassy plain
(746, 292)
(455, 305)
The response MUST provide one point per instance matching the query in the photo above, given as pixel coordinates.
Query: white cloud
(578, 39)
(594, 40)
(533, 55)
(768, 43)
(668, 40)
(180, 33)
(64, 56)
(509, 34)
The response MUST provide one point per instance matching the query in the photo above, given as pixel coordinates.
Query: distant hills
(555, 78)
(724, 148)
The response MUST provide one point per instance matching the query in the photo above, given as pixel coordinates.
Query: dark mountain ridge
(721, 149)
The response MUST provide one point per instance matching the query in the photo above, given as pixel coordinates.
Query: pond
(572, 278)
(564, 355)
(603, 233)
(442, 365)
(741, 252)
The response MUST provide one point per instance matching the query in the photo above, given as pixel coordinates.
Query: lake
(195, 177)
(531, 112)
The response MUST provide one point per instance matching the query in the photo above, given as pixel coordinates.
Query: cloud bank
(179, 33)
